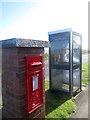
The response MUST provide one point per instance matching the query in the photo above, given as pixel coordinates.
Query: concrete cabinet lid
(20, 42)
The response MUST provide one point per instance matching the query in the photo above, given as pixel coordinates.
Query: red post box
(34, 82)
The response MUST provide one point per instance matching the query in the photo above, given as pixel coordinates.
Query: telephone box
(34, 83)
(65, 61)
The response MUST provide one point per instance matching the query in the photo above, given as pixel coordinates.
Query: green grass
(0, 103)
(46, 85)
(58, 105)
(85, 74)
(46, 57)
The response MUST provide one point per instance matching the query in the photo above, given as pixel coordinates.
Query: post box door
(34, 83)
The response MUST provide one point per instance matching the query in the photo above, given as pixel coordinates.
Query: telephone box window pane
(60, 79)
(76, 39)
(60, 48)
(76, 62)
(76, 53)
(76, 79)
(60, 52)
(35, 82)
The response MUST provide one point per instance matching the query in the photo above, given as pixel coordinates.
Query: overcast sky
(35, 18)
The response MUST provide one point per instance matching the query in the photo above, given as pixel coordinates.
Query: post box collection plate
(34, 82)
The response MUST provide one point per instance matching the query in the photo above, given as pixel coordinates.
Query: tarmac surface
(83, 104)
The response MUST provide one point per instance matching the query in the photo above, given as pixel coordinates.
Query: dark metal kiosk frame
(65, 61)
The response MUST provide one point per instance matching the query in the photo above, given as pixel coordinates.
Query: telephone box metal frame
(34, 66)
(71, 64)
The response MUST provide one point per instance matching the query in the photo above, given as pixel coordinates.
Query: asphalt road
(82, 103)
(86, 58)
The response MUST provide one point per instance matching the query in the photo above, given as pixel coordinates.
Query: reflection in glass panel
(59, 52)
(76, 50)
(60, 79)
(59, 57)
(76, 39)
(76, 79)
(76, 60)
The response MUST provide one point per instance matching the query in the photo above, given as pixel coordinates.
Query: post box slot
(35, 71)
(36, 64)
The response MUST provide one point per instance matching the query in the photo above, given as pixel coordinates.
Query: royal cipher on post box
(34, 83)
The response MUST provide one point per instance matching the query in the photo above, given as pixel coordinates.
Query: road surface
(86, 58)
(82, 103)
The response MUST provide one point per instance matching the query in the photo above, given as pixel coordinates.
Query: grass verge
(0, 103)
(58, 105)
(85, 74)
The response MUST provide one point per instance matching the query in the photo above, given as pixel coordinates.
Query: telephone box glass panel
(60, 61)
(76, 62)
(76, 49)
(59, 49)
(76, 79)
(60, 79)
